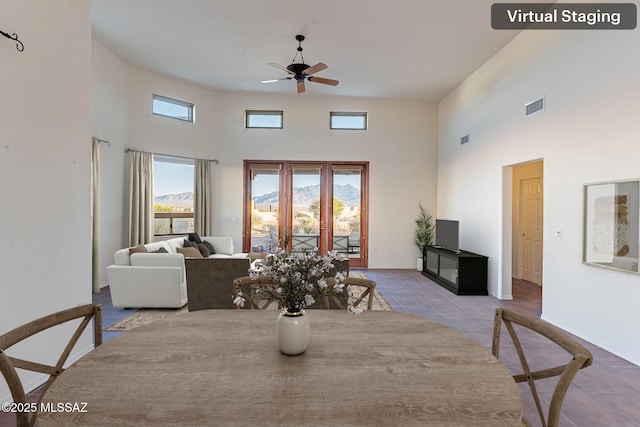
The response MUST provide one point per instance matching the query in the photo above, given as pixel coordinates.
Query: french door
(313, 204)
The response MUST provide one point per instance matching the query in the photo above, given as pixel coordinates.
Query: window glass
(172, 196)
(167, 107)
(350, 121)
(263, 119)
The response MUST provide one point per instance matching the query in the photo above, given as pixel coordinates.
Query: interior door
(531, 190)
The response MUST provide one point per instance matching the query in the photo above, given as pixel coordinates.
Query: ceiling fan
(299, 71)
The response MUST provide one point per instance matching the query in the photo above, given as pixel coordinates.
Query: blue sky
(269, 183)
(172, 178)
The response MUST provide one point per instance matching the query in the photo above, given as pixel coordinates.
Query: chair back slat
(580, 358)
(8, 364)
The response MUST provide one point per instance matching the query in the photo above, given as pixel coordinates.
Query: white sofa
(157, 280)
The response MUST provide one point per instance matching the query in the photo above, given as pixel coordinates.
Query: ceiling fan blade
(315, 68)
(323, 81)
(301, 86)
(273, 64)
(275, 80)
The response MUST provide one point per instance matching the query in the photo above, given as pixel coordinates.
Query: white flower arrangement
(298, 279)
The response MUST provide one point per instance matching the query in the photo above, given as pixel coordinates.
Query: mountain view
(303, 196)
(182, 200)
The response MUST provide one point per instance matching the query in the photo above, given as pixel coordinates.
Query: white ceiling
(404, 49)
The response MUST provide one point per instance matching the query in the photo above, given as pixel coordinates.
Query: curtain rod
(171, 155)
(103, 141)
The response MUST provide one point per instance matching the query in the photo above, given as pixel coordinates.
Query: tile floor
(605, 394)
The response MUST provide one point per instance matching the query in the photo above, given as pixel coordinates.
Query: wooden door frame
(326, 185)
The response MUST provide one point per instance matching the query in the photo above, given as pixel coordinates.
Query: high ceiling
(403, 49)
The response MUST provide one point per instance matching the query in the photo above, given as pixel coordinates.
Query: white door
(531, 192)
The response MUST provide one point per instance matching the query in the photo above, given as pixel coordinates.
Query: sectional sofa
(154, 275)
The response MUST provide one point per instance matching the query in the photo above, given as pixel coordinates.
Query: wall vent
(534, 106)
(464, 139)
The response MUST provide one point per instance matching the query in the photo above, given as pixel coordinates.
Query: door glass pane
(265, 196)
(305, 209)
(346, 211)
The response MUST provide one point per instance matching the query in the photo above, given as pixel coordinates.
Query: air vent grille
(534, 106)
(464, 139)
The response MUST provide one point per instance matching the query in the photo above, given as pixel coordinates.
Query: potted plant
(424, 232)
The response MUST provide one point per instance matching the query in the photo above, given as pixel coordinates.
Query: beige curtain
(95, 215)
(202, 197)
(141, 198)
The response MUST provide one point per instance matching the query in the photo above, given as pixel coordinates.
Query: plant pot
(293, 332)
(419, 264)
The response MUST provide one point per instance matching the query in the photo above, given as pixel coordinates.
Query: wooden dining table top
(223, 368)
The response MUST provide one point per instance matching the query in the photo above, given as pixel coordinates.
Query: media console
(463, 273)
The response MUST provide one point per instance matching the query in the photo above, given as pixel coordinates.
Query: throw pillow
(187, 244)
(209, 246)
(204, 250)
(195, 238)
(189, 252)
(160, 251)
(138, 249)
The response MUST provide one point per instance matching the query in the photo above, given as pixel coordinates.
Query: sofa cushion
(154, 246)
(174, 244)
(161, 250)
(209, 247)
(190, 252)
(138, 249)
(195, 238)
(222, 245)
(203, 250)
(188, 244)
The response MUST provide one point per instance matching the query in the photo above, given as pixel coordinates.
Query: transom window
(263, 119)
(173, 108)
(348, 120)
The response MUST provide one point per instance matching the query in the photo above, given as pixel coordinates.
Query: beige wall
(399, 144)
(109, 121)
(588, 133)
(45, 152)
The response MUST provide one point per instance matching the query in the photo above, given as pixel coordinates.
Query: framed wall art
(612, 224)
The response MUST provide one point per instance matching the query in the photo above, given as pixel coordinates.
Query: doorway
(307, 205)
(527, 221)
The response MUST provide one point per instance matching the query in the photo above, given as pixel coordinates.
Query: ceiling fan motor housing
(298, 70)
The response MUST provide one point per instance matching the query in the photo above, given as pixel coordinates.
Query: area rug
(147, 315)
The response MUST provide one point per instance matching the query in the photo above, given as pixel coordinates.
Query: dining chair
(9, 364)
(248, 287)
(580, 358)
(366, 286)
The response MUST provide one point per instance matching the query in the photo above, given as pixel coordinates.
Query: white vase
(293, 332)
(419, 265)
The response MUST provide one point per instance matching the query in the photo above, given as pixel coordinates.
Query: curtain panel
(202, 197)
(141, 198)
(95, 215)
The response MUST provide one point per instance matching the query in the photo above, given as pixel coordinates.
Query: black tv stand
(461, 272)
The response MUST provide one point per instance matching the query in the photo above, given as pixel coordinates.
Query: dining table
(223, 368)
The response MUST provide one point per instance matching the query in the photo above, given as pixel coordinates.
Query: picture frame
(612, 225)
